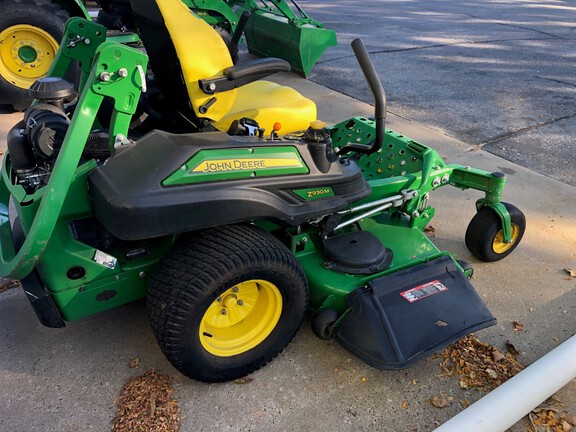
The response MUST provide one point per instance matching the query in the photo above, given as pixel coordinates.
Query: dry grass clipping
(145, 404)
(479, 365)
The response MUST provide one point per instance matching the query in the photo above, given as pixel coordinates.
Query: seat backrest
(162, 55)
(183, 49)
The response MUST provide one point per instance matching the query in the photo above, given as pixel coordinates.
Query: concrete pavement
(67, 379)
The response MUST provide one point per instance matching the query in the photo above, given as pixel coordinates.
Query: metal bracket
(502, 213)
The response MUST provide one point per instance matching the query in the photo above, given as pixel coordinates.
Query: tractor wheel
(226, 301)
(484, 237)
(29, 38)
(323, 322)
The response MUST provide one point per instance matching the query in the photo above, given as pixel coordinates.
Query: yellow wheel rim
(499, 245)
(26, 53)
(241, 318)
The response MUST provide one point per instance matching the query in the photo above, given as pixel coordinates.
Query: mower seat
(217, 90)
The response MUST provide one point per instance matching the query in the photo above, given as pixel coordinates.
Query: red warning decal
(423, 291)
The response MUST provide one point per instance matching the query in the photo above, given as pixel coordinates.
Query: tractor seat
(216, 89)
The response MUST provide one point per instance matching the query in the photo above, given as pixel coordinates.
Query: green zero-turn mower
(30, 31)
(230, 230)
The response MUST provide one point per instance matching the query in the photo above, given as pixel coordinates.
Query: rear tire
(226, 301)
(29, 39)
(484, 236)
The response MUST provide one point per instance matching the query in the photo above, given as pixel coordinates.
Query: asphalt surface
(67, 380)
(499, 75)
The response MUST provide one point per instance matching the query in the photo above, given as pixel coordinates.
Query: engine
(35, 141)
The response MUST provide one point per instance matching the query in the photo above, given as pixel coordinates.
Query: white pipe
(508, 403)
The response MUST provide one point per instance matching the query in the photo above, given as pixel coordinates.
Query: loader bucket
(300, 44)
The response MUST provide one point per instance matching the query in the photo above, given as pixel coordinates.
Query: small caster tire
(484, 237)
(322, 324)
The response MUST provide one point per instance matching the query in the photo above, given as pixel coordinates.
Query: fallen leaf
(497, 355)
(336, 369)
(363, 379)
(492, 373)
(439, 401)
(555, 338)
(511, 348)
(546, 417)
(517, 325)
(152, 405)
(571, 272)
(465, 403)
(9, 284)
(570, 418)
(404, 404)
(430, 230)
(134, 363)
(473, 361)
(414, 381)
(244, 380)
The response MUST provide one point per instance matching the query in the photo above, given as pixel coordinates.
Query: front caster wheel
(226, 301)
(484, 237)
(323, 322)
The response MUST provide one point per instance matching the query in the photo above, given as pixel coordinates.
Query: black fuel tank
(136, 197)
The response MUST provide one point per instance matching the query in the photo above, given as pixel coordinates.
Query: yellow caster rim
(241, 318)
(26, 54)
(499, 245)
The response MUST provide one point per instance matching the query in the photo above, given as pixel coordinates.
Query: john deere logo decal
(238, 163)
(220, 165)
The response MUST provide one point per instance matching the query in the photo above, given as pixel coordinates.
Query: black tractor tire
(210, 271)
(49, 18)
(484, 233)
(323, 322)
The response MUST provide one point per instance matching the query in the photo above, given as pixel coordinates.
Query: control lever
(379, 101)
(233, 48)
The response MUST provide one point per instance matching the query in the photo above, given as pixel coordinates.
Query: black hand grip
(377, 91)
